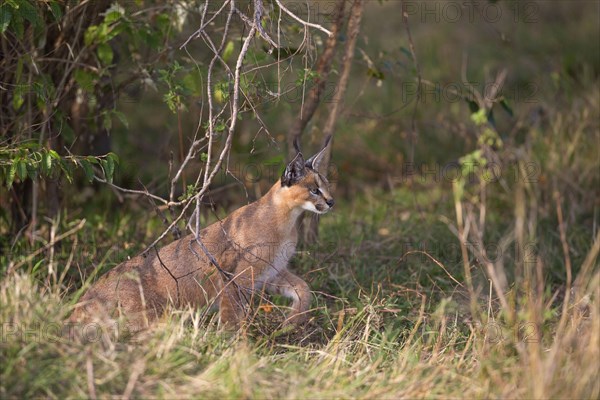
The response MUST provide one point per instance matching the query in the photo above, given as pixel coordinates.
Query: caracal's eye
(314, 191)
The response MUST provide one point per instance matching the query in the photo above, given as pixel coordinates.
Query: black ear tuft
(314, 161)
(294, 171)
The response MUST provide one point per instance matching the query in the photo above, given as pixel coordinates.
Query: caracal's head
(304, 186)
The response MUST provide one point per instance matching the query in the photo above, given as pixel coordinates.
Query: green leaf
(67, 169)
(121, 118)
(67, 132)
(90, 35)
(479, 117)
(31, 145)
(220, 126)
(5, 16)
(46, 163)
(228, 51)
(105, 53)
(44, 89)
(87, 169)
(32, 171)
(85, 79)
(55, 10)
(114, 31)
(17, 25)
(29, 12)
(113, 14)
(54, 154)
(108, 165)
(21, 169)
(114, 157)
(12, 171)
(163, 22)
(192, 83)
(149, 38)
(37, 266)
(102, 33)
(18, 98)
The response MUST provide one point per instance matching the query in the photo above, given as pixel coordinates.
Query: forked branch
(305, 23)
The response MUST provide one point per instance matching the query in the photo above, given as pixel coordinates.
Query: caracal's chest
(278, 260)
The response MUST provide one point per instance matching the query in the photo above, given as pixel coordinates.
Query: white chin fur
(309, 206)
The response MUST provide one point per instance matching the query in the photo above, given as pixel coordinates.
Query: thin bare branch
(305, 23)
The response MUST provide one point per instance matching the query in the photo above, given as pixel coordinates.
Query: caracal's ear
(295, 170)
(314, 162)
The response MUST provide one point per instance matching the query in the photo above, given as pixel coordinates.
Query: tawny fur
(253, 246)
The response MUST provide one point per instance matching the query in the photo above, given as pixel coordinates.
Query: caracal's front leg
(233, 306)
(294, 288)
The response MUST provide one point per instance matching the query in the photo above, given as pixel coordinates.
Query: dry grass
(183, 358)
